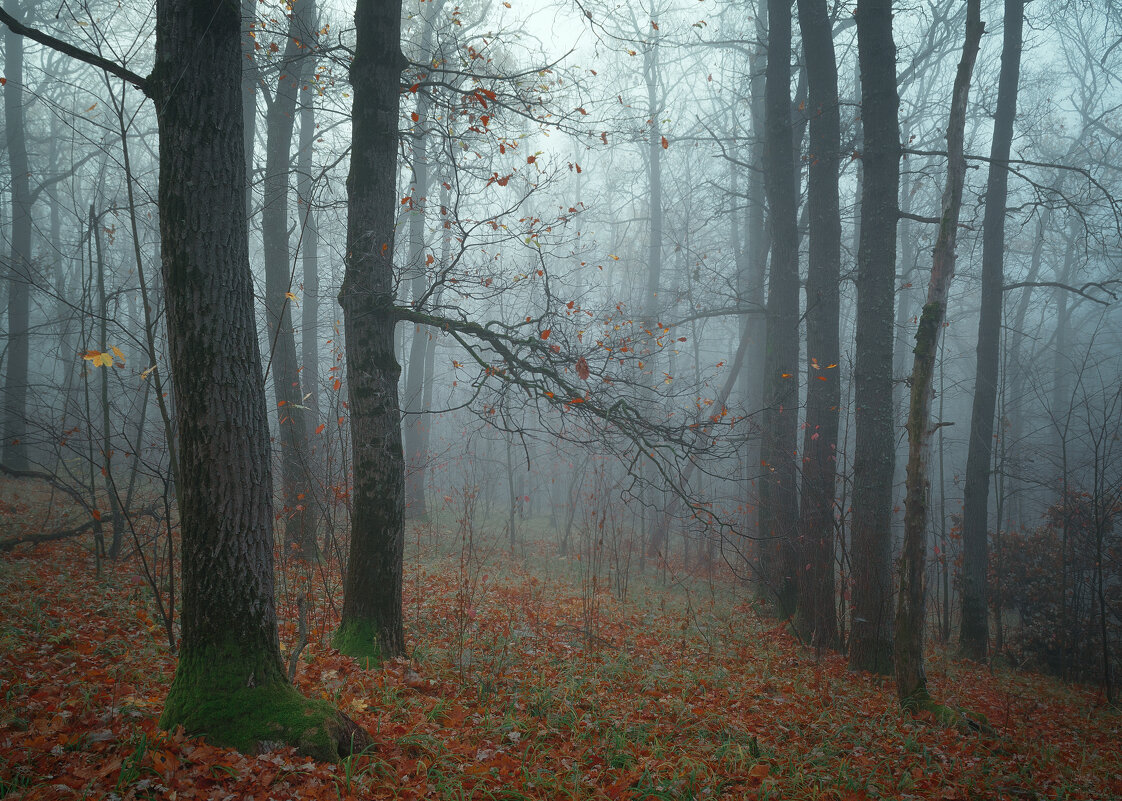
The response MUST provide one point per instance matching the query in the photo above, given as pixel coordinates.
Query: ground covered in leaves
(528, 678)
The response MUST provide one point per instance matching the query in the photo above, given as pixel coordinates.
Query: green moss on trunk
(231, 698)
(359, 638)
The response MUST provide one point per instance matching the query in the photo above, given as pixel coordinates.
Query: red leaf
(319, 428)
(582, 369)
(665, 144)
(545, 334)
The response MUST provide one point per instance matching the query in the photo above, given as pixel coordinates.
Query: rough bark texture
(371, 623)
(870, 642)
(19, 265)
(911, 681)
(296, 511)
(817, 616)
(778, 510)
(229, 684)
(974, 633)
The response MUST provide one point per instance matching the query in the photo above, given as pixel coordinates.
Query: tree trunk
(19, 265)
(870, 641)
(823, 307)
(371, 625)
(117, 521)
(911, 682)
(229, 683)
(778, 508)
(974, 631)
(415, 420)
(309, 257)
(296, 495)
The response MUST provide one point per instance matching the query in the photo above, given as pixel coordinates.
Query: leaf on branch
(582, 369)
(98, 358)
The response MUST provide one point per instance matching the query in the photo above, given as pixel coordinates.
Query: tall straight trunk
(415, 421)
(371, 625)
(249, 77)
(280, 119)
(911, 681)
(229, 682)
(308, 224)
(778, 509)
(652, 77)
(758, 245)
(870, 641)
(14, 431)
(114, 549)
(823, 308)
(974, 631)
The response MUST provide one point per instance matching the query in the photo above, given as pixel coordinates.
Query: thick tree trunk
(297, 510)
(870, 642)
(823, 307)
(974, 632)
(911, 681)
(778, 510)
(229, 683)
(371, 625)
(19, 265)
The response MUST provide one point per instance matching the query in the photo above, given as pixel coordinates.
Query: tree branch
(78, 53)
(1081, 290)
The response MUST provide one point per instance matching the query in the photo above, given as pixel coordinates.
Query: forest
(544, 399)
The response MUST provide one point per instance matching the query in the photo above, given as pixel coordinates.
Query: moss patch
(217, 695)
(359, 639)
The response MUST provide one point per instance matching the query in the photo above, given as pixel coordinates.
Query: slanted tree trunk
(974, 631)
(823, 306)
(296, 495)
(870, 641)
(18, 276)
(778, 508)
(371, 625)
(911, 681)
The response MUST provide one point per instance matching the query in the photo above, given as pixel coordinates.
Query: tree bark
(19, 264)
(229, 683)
(911, 681)
(974, 631)
(280, 118)
(870, 642)
(371, 625)
(823, 307)
(778, 509)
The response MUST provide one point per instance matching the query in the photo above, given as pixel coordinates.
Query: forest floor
(529, 677)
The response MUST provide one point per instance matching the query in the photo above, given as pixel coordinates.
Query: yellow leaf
(291, 296)
(118, 354)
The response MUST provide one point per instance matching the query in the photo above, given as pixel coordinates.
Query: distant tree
(974, 632)
(19, 266)
(284, 364)
(779, 500)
